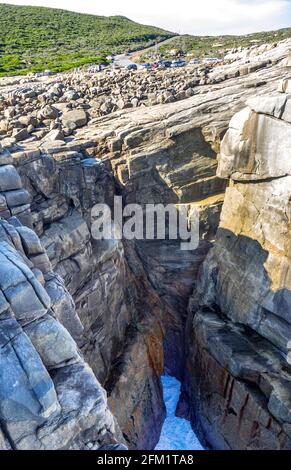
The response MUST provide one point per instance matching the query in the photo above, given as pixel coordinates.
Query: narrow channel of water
(177, 433)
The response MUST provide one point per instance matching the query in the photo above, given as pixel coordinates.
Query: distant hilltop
(33, 39)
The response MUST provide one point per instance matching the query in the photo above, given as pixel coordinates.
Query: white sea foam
(177, 433)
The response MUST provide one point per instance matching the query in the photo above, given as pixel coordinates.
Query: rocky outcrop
(167, 154)
(49, 397)
(124, 302)
(53, 107)
(237, 379)
(112, 326)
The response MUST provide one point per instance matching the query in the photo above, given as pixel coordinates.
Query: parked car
(161, 65)
(167, 63)
(178, 63)
(154, 65)
(147, 66)
(132, 67)
(46, 73)
(194, 62)
(212, 60)
(95, 68)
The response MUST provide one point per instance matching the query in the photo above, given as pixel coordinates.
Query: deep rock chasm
(88, 327)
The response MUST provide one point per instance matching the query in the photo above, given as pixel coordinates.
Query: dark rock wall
(123, 307)
(238, 379)
(49, 397)
(115, 303)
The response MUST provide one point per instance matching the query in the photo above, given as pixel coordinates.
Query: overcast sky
(187, 16)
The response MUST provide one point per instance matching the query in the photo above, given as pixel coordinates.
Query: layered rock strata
(49, 397)
(167, 154)
(237, 379)
(131, 298)
(113, 326)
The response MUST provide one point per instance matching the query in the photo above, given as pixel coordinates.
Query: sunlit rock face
(237, 378)
(168, 154)
(124, 303)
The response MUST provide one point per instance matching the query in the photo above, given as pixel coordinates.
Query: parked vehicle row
(178, 63)
(162, 64)
(212, 60)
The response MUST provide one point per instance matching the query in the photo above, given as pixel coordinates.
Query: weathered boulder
(49, 112)
(251, 147)
(54, 135)
(77, 116)
(20, 135)
(9, 178)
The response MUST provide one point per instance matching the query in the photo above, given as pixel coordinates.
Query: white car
(194, 62)
(212, 60)
(95, 69)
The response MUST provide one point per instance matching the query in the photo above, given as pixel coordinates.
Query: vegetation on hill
(216, 46)
(36, 38)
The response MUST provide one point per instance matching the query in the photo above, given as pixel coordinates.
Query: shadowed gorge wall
(121, 306)
(237, 376)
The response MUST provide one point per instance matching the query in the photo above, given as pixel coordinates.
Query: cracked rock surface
(49, 397)
(80, 316)
(237, 379)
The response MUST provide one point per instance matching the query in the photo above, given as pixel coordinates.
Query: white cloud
(188, 16)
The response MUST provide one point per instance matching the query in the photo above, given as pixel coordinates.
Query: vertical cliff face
(168, 154)
(115, 303)
(49, 397)
(237, 378)
(121, 306)
(173, 163)
(126, 300)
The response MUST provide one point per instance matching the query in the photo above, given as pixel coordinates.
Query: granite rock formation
(49, 397)
(168, 154)
(121, 306)
(237, 377)
(110, 323)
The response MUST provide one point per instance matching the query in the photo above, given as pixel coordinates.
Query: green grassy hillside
(37, 38)
(200, 46)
